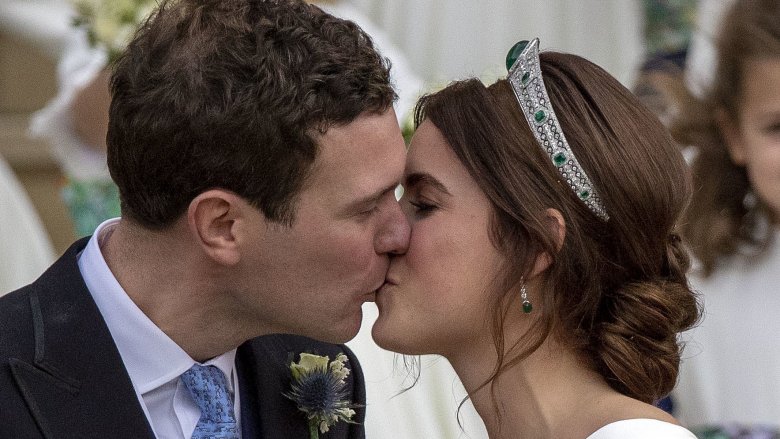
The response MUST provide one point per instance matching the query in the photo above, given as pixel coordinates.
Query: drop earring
(527, 307)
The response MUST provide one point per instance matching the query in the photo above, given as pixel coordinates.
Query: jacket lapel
(263, 367)
(76, 385)
(250, 412)
(264, 375)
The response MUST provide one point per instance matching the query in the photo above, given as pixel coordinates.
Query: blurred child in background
(731, 366)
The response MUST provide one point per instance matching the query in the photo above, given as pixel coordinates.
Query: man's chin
(340, 332)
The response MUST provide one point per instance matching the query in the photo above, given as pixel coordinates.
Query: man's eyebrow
(368, 199)
(418, 178)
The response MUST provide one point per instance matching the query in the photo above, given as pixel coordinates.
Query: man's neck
(164, 275)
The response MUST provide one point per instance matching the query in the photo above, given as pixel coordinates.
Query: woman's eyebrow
(418, 178)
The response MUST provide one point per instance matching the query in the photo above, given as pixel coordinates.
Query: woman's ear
(212, 219)
(732, 135)
(557, 226)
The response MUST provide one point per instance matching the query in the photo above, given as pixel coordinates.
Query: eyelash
(422, 208)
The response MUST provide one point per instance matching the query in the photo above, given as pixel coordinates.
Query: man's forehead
(359, 160)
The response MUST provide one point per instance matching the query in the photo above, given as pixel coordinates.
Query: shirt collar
(150, 356)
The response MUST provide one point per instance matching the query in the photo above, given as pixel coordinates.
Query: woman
(732, 227)
(545, 267)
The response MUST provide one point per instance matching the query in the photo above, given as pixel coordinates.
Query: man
(256, 153)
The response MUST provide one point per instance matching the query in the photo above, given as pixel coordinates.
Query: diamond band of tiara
(525, 77)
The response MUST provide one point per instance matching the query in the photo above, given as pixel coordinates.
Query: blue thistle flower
(319, 390)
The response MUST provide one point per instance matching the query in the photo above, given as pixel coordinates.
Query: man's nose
(394, 236)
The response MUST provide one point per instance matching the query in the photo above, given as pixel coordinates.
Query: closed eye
(422, 208)
(773, 128)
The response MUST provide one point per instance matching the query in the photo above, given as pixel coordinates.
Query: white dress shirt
(153, 361)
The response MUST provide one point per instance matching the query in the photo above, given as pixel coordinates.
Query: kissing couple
(257, 155)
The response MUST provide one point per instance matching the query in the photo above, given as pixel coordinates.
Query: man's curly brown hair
(230, 94)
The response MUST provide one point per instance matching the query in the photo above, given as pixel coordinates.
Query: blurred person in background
(75, 121)
(668, 27)
(25, 249)
(730, 379)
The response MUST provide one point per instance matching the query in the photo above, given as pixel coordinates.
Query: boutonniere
(319, 390)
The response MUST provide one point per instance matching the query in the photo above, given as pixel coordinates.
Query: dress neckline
(639, 424)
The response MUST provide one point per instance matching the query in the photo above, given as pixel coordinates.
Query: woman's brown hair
(616, 291)
(720, 221)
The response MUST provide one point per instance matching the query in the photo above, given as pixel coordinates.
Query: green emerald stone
(514, 53)
(584, 194)
(527, 307)
(525, 78)
(540, 116)
(559, 159)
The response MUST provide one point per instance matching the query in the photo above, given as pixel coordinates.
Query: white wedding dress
(641, 429)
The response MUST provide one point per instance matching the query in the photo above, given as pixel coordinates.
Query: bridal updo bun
(615, 291)
(635, 346)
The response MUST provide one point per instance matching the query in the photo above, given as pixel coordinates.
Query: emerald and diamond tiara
(525, 77)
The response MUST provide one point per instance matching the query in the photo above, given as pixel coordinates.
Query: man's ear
(212, 218)
(732, 135)
(557, 226)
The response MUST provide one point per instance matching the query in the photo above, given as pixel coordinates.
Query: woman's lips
(388, 284)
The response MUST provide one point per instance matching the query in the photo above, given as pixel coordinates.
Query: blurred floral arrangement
(407, 127)
(110, 24)
(735, 431)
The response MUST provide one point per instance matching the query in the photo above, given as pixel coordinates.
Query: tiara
(525, 77)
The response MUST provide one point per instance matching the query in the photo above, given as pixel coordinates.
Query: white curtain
(449, 39)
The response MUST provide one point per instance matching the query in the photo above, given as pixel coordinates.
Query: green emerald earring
(527, 307)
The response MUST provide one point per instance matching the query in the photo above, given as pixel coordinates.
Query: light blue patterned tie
(209, 389)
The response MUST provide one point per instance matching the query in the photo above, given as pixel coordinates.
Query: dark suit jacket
(61, 375)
